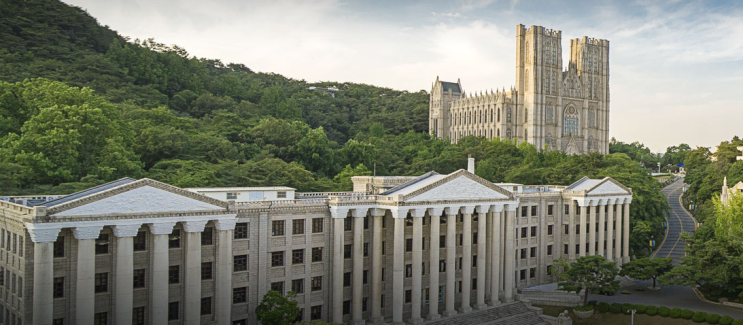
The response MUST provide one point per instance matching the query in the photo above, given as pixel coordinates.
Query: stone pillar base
(434, 317)
(494, 303)
(481, 307)
(415, 320)
(625, 259)
(359, 322)
(377, 320)
(465, 309)
(450, 313)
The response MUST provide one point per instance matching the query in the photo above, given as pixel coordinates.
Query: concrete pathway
(679, 220)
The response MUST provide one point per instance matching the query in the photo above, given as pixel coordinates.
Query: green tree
(588, 274)
(646, 268)
(276, 309)
(343, 179)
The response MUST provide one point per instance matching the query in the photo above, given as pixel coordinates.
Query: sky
(676, 66)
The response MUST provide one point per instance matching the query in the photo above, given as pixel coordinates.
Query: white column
(43, 304)
(225, 229)
(582, 226)
(415, 317)
(85, 293)
(376, 282)
(618, 234)
(433, 261)
(451, 257)
(338, 234)
(496, 258)
(510, 258)
(592, 229)
(610, 231)
(482, 230)
(398, 267)
(358, 266)
(571, 229)
(124, 298)
(467, 260)
(160, 264)
(193, 270)
(602, 228)
(625, 233)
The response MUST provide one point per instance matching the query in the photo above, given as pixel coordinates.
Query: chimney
(471, 164)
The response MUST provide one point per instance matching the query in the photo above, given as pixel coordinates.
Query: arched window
(550, 115)
(552, 83)
(554, 53)
(497, 132)
(526, 81)
(508, 115)
(546, 84)
(498, 115)
(508, 133)
(592, 117)
(570, 121)
(590, 143)
(526, 135)
(526, 115)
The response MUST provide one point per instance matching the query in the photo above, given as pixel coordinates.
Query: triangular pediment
(143, 197)
(460, 185)
(608, 186)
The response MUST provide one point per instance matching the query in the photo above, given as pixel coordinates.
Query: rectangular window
(101, 244)
(363, 304)
(174, 239)
(174, 274)
(138, 316)
(59, 247)
(20, 245)
(347, 279)
(534, 231)
(346, 307)
(316, 225)
(549, 249)
(241, 230)
(139, 278)
(533, 210)
(524, 232)
(58, 288)
(281, 194)
(56, 321)
(366, 249)
(207, 237)
(522, 275)
(442, 265)
(15, 243)
(577, 249)
(298, 285)
(173, 310)
(474, 238)
(532, 272)
(577, 229)
(549, 269)
(408, 296)
(206, 271)
(298, 227)
(381, 303)
(366, 222)
(277, 228)
(408, 270)
(524, 211)
(140, 241)
(567, 229)
(408, 244)
(278, 287)
(239, 295)
(277, 259)
(232, 196)
(206, 306)
(549, 230)
(101, 282)
(347, 251)
(100, 318)
(523, 253)
(533, 252)
(365, 277)
(298, 256)
(317, 254)
(442, 241)
(2, 276)
(550, 209)
(567, 209)
(474, 283)
(347, 225)
(474, 260)
(316, 312)
(316, 283)
(461, 239)
(240, 263)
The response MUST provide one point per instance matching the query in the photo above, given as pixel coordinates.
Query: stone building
(144, 252)
(554, 106)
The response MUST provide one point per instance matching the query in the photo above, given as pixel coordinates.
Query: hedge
(712, 319)
(652, 311)
(726, 320)
(615, 308)
(738, 322)
(675, 313)
(603, 307)
(627, 307)
(664, 311)
(640, 309)
(687, 314)
(699, 317)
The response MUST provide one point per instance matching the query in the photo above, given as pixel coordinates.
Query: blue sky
(676, 66)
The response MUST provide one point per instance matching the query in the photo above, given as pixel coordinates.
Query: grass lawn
(616, 319)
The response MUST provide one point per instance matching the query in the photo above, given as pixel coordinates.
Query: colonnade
(611, 211)
(86, 233)
(492, 220)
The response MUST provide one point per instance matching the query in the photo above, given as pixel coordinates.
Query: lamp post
(632, 320)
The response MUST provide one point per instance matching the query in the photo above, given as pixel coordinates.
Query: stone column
(376, 281)
(610, 231)
(451, 257)
(358, 266)
(225, 229)
(338, 234)
(467, 260)
(618, 234)
(415, 317)
(85, 291)
(124, 299)
(481, 256)
(509, 272)
(398, 268)
(43, 303)
(160, 264)
(602, 227)
(496, 258)
(592, 229)
(433, 289)
(625, 233)
(571, 230)
(582, 226)
(193, 271)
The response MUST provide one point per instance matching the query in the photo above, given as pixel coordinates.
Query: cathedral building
(553, 105)
(396, 250)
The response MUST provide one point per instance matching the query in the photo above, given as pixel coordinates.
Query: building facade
(554, 106)
(144, 252)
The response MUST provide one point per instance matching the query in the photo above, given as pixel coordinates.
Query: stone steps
(515, 313)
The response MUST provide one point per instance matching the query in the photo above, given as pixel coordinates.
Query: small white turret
(471, 164)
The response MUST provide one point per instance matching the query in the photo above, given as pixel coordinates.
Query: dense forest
(81, 105)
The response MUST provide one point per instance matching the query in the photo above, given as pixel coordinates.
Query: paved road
(679, 220)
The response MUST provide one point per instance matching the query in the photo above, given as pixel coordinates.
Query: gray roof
(415, 184)
(90, 191)
(584, 183)
(453, 86)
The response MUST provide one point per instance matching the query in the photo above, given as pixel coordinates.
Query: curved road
(679, 220)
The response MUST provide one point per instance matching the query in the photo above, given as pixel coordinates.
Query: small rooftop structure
(247, 194)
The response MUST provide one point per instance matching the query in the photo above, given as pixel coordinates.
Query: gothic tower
(443, 93)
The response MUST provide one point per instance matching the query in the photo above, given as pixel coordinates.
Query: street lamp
(633, 316)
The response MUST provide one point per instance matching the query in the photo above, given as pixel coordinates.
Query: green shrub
(663, 311)
(615, 308)
(699, 317)
(584, 308)
(726, 320)
(603, 307)
(712, 319)
(626, 307)
(625, 292)
(675, 313)
(593, 302)
(687, 314)
(652, 311)
(738, 322)
(640, 309)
